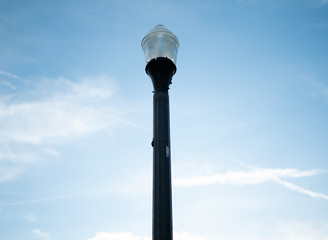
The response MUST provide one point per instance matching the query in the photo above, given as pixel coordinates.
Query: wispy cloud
(141, 183)
(36, 116)
(40, 200)
(299, 189)
(54, 118)
(41, 235)
(240, 178)
(8, 84)
(9, 74)
(252, 177)
(47, 112)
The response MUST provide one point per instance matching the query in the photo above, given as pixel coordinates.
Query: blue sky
(249, 113)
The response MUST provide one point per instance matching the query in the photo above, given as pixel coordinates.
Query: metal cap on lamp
(160, 47)
(160, 42)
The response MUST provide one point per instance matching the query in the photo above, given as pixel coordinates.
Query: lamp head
(160, 42)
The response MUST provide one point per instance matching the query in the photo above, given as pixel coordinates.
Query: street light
(161, 48)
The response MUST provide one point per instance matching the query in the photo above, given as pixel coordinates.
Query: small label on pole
(167, 151)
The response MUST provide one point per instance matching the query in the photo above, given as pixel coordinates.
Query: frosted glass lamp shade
(160, 42)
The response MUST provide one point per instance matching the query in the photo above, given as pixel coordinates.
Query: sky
(248, 109)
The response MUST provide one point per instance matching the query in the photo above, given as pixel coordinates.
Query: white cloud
(40, 234)
(278, 231)
(183, 235)
(118, 236)
(131, 236)
(254, 176)
(141, 183)
(286, 231)
(35, 116)
(41, 200)
(296, 188)
(52, 120)
(70, 111)
(251, 177)
(300, 231)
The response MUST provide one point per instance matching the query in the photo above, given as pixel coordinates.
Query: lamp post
(161, 47)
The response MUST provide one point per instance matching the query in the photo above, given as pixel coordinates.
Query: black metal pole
(161, 71)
